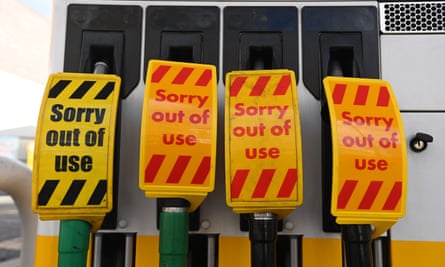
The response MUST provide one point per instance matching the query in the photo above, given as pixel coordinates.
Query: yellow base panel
(147, 251)
(47, 251)
(321, 252)
(409, 253)
(235, 252)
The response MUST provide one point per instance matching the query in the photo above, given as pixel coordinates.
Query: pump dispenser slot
(104, 47)
(181, 46)
(260, 38)
(341, 54)
(260, 51)
(94, 30)
(333, 31)
(182, 33)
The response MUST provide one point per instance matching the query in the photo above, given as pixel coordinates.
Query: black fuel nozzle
(263, 229)
(357, 244)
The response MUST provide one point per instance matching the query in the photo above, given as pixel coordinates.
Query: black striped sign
(71, 194)
(74, 152)
(82, 89)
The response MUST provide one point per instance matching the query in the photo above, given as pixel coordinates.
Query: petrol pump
(396, 219)
(73, 171)
(263, 154)
(178, 147)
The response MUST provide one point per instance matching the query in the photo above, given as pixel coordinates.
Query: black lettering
(61, 163)
(87, 163)
(57, 115)
(73, 163)
(69, 114)
(52, 137)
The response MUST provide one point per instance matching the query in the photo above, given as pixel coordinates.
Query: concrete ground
(10, 263)
(10, 240)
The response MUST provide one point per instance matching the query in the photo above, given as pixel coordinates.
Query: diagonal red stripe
(159, 73)
(283, 85)
(182, 75)
(202, 172)
(259, 86)
(394, 197)
(346, 193)
(383, 100)
(362, 95)
(288, 185)
(370, 195)
(205, 78)
(153, 167)
(178, 169)
(238, 182)
(339, 93)
(263, 183)
(236, 86)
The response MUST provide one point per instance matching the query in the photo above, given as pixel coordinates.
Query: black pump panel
(182, 33)
(337, 41)
(108, 33)
(112, 34)
(348, 35)
(186, 34)
(260, 38)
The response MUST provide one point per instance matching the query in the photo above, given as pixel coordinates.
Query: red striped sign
(374, 188)
(180, 76)
(178, 136)
(286, 188)
(369, 151)
(361, 95)
(263, 170)
(176, 174)
(260, 85)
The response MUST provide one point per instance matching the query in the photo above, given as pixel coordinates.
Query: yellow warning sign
(263, 142)
(178, 136)
(74, 148)
(369, 151)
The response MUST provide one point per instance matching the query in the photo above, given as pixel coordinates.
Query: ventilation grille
(412, 17)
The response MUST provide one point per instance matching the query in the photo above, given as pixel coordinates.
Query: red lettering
(371, 164)
(262, 153)
(251, 131)
(179, 139)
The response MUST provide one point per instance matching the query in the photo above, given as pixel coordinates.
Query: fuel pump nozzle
(264, 170)
(357, 245)
(173, 236)
(74, 234)
(263, 228)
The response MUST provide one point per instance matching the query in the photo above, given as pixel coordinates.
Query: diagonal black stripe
(73, 192)
(82, 90)
(58, 88)
(46, 192)
(99, 193)
(106, 91)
